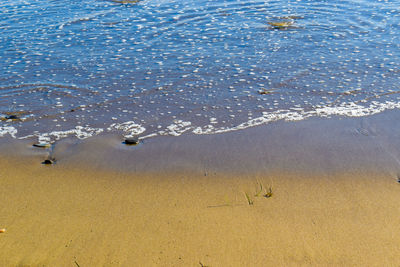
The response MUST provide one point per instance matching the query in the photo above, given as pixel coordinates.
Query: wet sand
(191, 201)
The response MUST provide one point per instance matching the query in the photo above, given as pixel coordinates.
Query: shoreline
(198, 200)
(311, 146)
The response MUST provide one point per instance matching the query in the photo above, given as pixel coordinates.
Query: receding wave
(177, 67)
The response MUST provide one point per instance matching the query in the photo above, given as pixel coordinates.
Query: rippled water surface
(160, 67)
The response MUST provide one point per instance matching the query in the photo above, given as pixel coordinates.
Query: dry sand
(58, 216)
(71, 214)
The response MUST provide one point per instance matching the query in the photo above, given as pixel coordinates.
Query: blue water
(168, 67)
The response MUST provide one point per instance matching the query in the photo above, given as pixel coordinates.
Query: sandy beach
(199, 133)
(148, 207)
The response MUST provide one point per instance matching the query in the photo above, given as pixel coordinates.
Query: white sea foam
(130, 128)
(79, 132)
(208, 129)
(345, 109)
(8, 130)
(179, 127)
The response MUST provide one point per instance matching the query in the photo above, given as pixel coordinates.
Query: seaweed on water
(284, 22)
(281, 24)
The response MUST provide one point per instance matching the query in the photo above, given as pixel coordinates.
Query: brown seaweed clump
(281, 24)
(284, 22)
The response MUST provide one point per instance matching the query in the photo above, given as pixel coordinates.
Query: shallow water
(171, 67)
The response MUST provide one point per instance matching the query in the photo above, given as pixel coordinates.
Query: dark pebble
(12, 117)
(48, 162)
(131, 141)
(42, 145)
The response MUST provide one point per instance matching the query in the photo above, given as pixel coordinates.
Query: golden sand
(320, 193)
(60, 216)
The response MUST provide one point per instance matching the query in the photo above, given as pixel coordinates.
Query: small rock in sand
(48, 161)
(131, 141)
(42, 145)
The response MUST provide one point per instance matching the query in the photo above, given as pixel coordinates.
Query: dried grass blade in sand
(249, 200)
